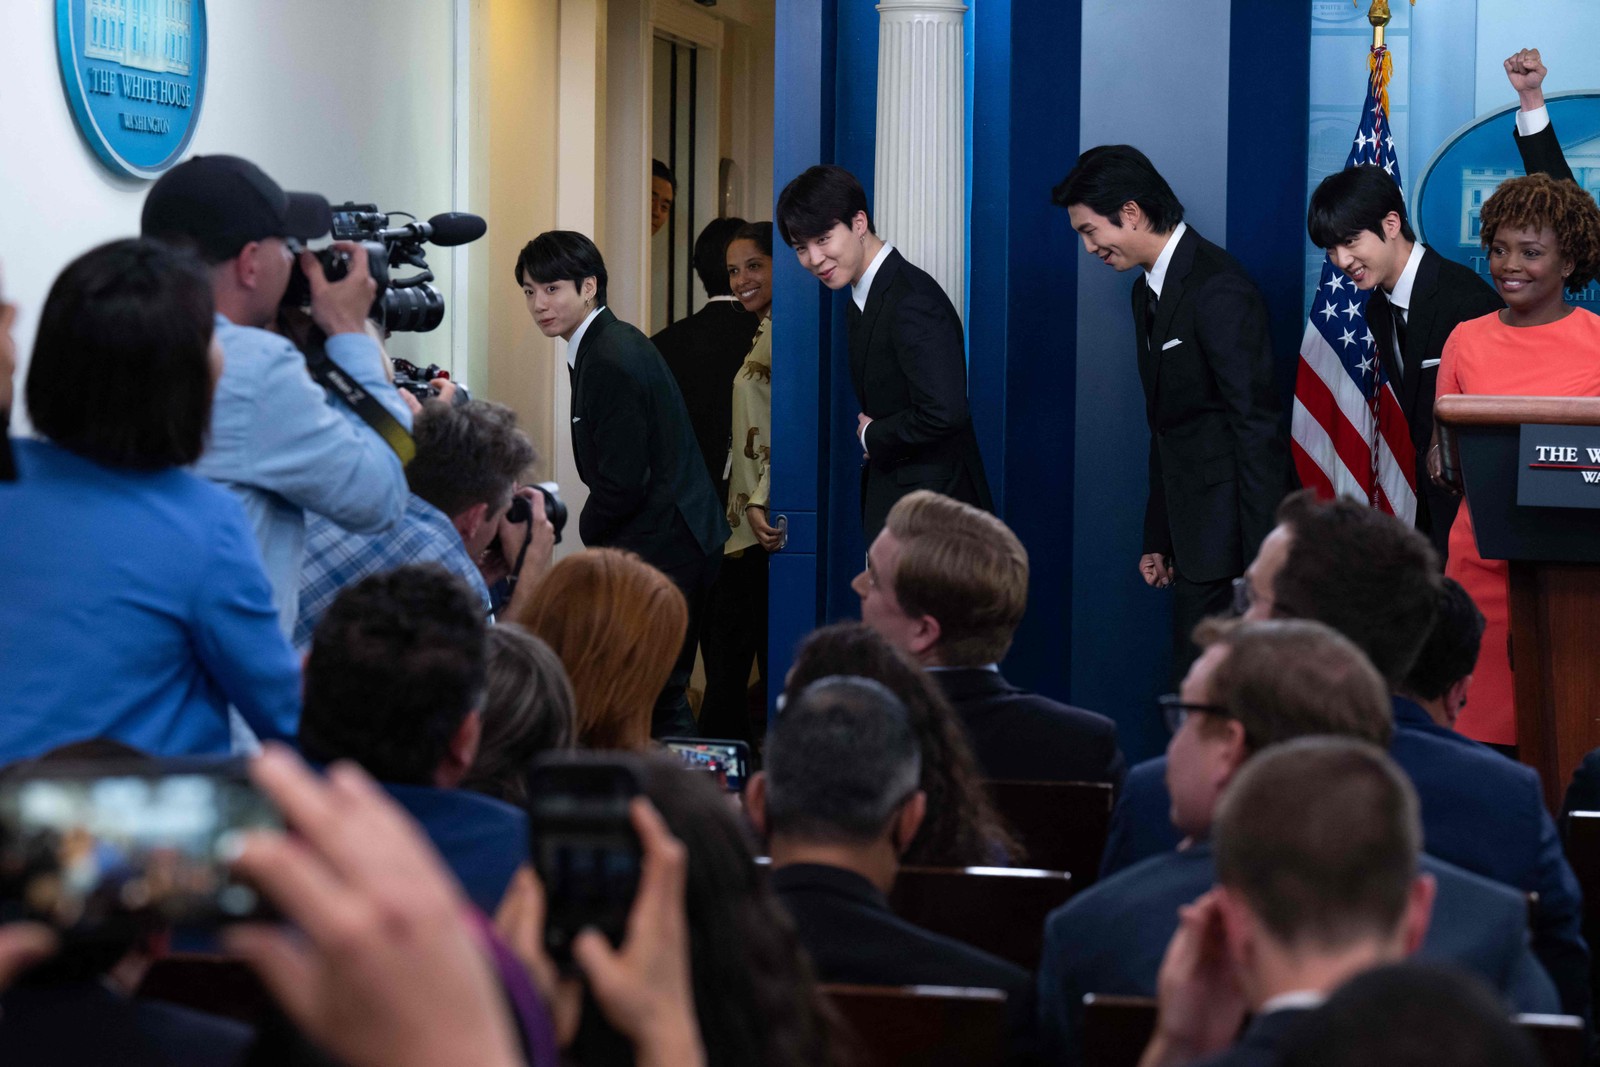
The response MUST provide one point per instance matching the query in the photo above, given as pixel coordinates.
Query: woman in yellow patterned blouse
(739, 614)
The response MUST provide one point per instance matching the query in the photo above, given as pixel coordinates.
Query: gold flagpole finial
(1378, 15)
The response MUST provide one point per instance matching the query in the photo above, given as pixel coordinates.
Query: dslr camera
(403, 304)
(418, 381)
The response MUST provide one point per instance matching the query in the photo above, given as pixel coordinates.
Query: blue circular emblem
(135, 73)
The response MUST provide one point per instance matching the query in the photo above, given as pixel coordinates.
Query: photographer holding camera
(277, 439)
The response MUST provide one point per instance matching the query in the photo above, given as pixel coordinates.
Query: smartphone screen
(583, 845)
(84, 846)
(728, 761)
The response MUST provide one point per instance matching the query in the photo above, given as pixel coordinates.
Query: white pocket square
(1429, 363)
(1174, 343)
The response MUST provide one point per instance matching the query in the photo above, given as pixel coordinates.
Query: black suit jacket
(909, 367)
(1022, 736)
(1541, 154)
(1218, 461)
(86, 1023)
(704, 351)
(635, 450)
(1261, 1044)
(1445, 294)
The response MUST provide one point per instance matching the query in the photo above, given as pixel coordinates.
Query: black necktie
(1399, 317)
(1151, 297)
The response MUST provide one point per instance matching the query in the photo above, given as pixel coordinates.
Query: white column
(919, 187)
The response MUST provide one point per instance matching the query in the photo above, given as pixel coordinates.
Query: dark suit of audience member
(704, 351)
(1583, 792)
(87, 1023)
(1110, 938)
(909, 367)
(1023, 736)
(482, 840)
(1261, 1043)
(649, 492)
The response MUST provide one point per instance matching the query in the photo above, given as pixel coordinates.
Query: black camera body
(555, 509)
(410, 304)
(418, 381)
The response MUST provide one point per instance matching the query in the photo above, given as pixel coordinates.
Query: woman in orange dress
(1543, 239)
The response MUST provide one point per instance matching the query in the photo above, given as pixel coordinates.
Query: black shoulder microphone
(445, 229)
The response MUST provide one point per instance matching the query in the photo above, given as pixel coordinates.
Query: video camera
(409, 304)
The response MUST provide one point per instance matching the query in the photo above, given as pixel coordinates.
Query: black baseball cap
(219, 204)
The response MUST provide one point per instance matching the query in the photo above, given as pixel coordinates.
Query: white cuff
(1531, 122)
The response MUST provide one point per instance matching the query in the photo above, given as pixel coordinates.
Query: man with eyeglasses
(277, 439)
(1255, 685)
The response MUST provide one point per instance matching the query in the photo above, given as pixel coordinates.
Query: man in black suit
(907, 356)
(948, 583)
(838, 803)
(632, 441)
(705, 350)
(1358, 216)
(1535, 137)
(1317, 846)
(1218, 462)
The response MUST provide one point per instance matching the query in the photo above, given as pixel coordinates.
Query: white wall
(351, 99)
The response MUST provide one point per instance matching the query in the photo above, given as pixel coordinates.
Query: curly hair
(618, 624)
(962, 828)
(1538, 201)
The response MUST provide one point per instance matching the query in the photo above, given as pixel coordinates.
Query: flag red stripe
(1315, 396)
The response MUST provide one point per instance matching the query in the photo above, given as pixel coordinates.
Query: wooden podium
(1554, 556)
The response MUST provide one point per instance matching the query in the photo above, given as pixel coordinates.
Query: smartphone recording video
(92, 846)
(583, 845)
(727, 761)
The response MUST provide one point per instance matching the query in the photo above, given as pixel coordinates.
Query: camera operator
(462, 482)
(277, 439)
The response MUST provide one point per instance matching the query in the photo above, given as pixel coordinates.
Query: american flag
(1350, 437)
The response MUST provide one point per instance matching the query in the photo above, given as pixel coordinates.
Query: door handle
(781, 524)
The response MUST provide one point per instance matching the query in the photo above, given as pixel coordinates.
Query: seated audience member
(1408, 1014)
(755, 994)
(705, 350)
(469, 459)
(948, 583)
(1438, 682)
(961, 828)
(527, 710)
(387, 967)
(838, 803)
(1256, 685)
(135, 607)
(80, 1008)
(1377, 582)
(392, 683)
(1317, 845)
(617, 624)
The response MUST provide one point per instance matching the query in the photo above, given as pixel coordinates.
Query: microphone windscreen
(457, 228)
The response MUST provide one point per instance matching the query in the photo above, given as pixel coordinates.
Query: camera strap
(333, 378)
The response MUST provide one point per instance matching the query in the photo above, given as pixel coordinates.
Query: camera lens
(414, 309)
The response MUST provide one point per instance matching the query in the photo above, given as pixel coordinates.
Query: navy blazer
(483, 840)
(1023, 736)
(86, 1023)
(1261, 1044)
(1480, 811)
(1110, 938)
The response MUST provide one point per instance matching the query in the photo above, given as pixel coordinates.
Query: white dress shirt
(577, 336)
(859, 291)
(1157, 275)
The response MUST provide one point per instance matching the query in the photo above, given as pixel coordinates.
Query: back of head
(819, 199)
(528, 709)
(841, 759)
(1289, 678)
(711, 255)
(395, 665)
(467, 454)
(215, 205)
(1451, 651)
(1537, 201)
(754, 992)
(618, 624)
(961, 828)
(1110, 175)
(1320, 836)
(1353, 201)
(1362, 572)
(1410, 1014)
(964, 567)
(121, 370)
(562, 256)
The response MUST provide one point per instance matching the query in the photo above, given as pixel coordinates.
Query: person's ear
(1455, 698)
(755, 803)
(1233, 751)
(245, 266)
(1131, 215)
(589, 288)
(907, 821)
(925, 636)
(1419, 912)
(1240, 928)
(461, 752)
(858, 224)
(469, 522)
(1391, 226)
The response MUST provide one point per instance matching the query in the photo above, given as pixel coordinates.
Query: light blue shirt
(285, 448)
(133, 607)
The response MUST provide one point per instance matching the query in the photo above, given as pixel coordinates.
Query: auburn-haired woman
(617, 623)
